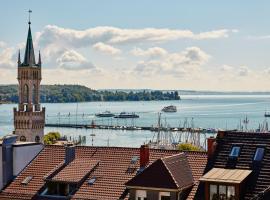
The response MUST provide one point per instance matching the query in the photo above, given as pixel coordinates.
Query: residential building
(14, 156)
(238, 167)
(100, 173)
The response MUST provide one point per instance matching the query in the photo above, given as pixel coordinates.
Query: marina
(196, 113)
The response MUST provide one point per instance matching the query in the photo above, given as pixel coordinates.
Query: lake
(205, 111)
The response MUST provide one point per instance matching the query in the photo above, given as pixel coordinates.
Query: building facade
(29, 117)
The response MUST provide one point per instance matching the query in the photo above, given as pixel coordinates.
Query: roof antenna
(29, 16)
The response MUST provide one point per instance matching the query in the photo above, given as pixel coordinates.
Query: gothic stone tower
(29, 118)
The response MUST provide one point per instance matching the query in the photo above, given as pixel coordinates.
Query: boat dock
(132, 128)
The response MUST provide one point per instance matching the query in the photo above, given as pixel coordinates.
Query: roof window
(134, 159)
(27, 180)
(259, 154)
(235, 152)
(92, 181)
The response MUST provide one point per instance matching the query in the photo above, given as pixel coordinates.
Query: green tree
(188, 147)
(51, 137)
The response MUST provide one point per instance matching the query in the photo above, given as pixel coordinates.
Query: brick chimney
(144, 156)
(211, 146)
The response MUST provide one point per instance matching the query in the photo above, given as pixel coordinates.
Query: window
(27, 180)
(235, 152)
(134, 159)
(92, 181)
(164, 196)
(222, 192)
(259, 154)
(230, 192)
(23, 138)
(213, 192)
(141, 195)
(37, 139)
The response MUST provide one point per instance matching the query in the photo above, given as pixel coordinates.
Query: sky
(154, 44)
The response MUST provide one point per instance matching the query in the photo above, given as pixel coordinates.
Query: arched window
(37, 139)
(23, 138)
(26, 93)
(34, 94)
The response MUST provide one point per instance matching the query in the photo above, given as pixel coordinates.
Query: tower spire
(19, 57)
(29, 56)
(29, 16)
(39, 59)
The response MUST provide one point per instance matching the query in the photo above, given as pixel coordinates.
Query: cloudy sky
(201, 45)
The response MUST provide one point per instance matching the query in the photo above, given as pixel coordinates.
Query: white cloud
(111, 35)
(233, 72)
(243, 71)
(72, 60)
(7, 58)
(151, 52)
(105, 48)
(2, 44)
(183, 64)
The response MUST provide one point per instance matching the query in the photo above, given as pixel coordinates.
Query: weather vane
(29, 11)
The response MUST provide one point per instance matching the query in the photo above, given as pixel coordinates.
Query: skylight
(92, 181)
(27, 180)
(134, 159)
(259, 154)
(235, 152)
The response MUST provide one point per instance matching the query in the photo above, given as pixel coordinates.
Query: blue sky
(206, 45)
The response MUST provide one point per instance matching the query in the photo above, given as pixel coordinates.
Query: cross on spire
(29, 16)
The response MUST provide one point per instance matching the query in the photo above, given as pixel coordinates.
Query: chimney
(144, 156)
(211, 146)
(70, 154)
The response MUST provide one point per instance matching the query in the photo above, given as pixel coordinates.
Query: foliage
(78, 93)
(51, 137)
(188, 147)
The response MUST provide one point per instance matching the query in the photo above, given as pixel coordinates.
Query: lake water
(205, 111)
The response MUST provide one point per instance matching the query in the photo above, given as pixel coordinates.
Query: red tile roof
(174, 171)
(75, 171)
(46, 160)
(111, 173)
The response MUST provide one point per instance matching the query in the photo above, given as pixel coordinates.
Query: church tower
(29, 118)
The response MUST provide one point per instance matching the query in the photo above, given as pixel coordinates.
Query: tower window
(259, 154)
(37, 139)
(23, 138)
(235, 152)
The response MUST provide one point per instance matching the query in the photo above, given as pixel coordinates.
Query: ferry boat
(170, 108)
(105, 114)
(126, 115)
(266, 114)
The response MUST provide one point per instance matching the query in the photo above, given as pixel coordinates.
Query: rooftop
(226, 175)
(236, 150)
(110, 174)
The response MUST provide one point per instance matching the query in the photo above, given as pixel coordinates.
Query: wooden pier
(132, 128)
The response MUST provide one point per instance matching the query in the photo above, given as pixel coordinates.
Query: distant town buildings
(29, 118)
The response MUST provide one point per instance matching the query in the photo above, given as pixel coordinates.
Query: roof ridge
(170, 171)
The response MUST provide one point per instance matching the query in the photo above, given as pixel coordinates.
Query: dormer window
(259, 154)
(235, 152)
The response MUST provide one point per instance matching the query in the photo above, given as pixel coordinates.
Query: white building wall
(23, 154)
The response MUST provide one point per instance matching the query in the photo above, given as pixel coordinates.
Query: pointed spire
(19, 57)
(29, 56)
(39, 59)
